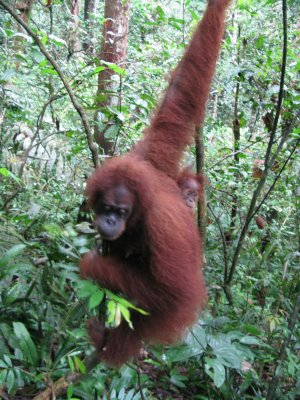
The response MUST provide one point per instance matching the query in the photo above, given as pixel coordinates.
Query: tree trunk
(74, 42)
(113, 50)
(24, 7)
(89, 9)
(236, 146)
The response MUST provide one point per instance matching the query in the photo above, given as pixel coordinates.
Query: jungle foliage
(246, 345)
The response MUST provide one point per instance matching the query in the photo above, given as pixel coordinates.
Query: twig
(38, 127)
(223, 242)
(26, 152)
(291, 326)
(138, 370)
(276, 178)
(284, 137)
(281, 87)
(237, 152)
(201, 209)
(10, 198)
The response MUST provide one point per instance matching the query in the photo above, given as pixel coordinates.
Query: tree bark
(74, 42)
(89, 9)
(24, 7)
(113, 50)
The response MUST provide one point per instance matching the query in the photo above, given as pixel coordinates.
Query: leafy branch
(59, 387)
(92, 145)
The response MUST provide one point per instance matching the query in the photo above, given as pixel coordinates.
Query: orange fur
(157, 260)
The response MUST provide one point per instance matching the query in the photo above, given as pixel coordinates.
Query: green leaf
(26, 344)
(7, 360)
(86, 288)
(242, 155)
(6, 173)
(71, 363)
(197, 338)
(48, 71)
(126, 314)
(112, 131)
(194, 14)
(111, 309)
(114, 67)
(79, 365)
(125, 303)
(178, 379)
(296, 132)
(10, 381)
(43, 63)
(182, 353)
(259, 42)
(44, 39)
(12, 253)
(70, 391)
(3, 375)
(96, 71)
(96, 299)
(228, 355)
(250, 340)
(53, 229)
(219, 374)
(7, 75)
(47, 279)
(160, 12)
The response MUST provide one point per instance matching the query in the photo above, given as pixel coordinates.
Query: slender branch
(223, 242)
(92, 145)
(262, 181)
(201, 209)
(138, 371)
(285, 136)
(236, 140)
(283, 139)
(11, 197)
(281, 86)
(276, 178)
(27, 151)
(291, 326)
(38, 127)
(230, 155)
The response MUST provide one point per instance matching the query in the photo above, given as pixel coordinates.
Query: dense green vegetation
(246, 345)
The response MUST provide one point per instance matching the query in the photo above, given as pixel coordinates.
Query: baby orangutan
(191, 186)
